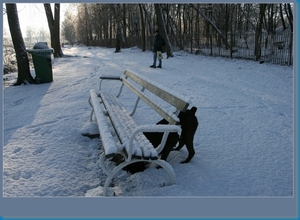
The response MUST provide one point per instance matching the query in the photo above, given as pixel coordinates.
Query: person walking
(157, 50)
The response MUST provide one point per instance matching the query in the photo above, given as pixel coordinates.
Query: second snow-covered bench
(127, 137)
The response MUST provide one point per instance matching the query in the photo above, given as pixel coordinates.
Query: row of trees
(179, 23)
(24, 75)
(33, 35)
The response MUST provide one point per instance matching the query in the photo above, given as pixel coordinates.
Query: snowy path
(244, 142)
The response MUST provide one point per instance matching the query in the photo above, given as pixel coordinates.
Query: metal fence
(276, 49)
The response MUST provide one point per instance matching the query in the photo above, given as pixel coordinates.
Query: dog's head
(189, 113)
(188, 118)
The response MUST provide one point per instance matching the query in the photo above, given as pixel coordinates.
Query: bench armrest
(158, 128)
(108, 77)
(150, 128)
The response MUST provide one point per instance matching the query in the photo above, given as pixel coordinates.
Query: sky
(32, 15)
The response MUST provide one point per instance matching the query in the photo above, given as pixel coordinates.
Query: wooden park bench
(127, 138)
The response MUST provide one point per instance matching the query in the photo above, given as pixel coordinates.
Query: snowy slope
(244, 142)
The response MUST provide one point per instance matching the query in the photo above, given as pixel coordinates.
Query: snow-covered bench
(127, 137)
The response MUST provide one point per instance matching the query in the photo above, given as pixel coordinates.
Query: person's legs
(159, 63)
(154, 60)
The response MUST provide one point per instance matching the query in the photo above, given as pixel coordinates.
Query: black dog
(189, 124)
(156, 137)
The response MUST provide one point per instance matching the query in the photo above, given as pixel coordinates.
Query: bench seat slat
(125, 126)
(118, 114)
(107, 140)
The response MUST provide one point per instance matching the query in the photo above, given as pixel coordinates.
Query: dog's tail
(193, 109)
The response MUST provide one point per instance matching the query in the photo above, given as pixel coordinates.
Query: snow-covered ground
(244, 143)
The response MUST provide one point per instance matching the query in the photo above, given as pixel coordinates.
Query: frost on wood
(107, 139)
(174, 93)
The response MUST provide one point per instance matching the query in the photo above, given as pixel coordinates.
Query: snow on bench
(128, 139)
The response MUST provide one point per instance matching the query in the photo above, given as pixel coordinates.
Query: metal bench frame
(133, 146)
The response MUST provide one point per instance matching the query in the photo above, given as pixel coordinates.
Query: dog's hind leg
(166, 151)
(180, 145)
(190, 147)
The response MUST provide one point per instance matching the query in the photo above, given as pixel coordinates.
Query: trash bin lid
(40, 47)
(36, 51)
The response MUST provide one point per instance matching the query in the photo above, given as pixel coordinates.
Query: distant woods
(189, 27)
(87, 22)
(261, 32)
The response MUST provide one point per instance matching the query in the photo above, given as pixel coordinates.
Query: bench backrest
(168, 96)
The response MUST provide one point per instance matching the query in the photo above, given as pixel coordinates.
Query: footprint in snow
(26, 175)
(18, 149)
(16, 176)
(38, 151)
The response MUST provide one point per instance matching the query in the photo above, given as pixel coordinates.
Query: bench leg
(91, 115)
(110, 174)
(168, 168)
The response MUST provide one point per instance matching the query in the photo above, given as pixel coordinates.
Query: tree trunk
(281, 16)
(53, 24)
(213, 26)
(162, 29)
(180, 27)
(258, 32)
(289, 14)
(19, 45)
(87, 38)
(148, 20)
(143, 29)
(116, 10)
(124, 25)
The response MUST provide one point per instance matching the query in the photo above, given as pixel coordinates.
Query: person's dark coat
(158, 43)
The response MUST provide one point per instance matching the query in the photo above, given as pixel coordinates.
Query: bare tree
(42, 35)
(289, 14)
(258, 31)
(214, 26)
(24, 75)
(162, 27)
(30, 35)
(68, 27)
(54, 27)
(115, 9)
(151, 29)
(281, 16)
(120, 38)
(88, 25)
(143, 28)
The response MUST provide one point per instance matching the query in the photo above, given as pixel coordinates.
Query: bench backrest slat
(166, 96)
(158, 109)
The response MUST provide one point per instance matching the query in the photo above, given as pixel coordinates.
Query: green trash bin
(41, 56)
